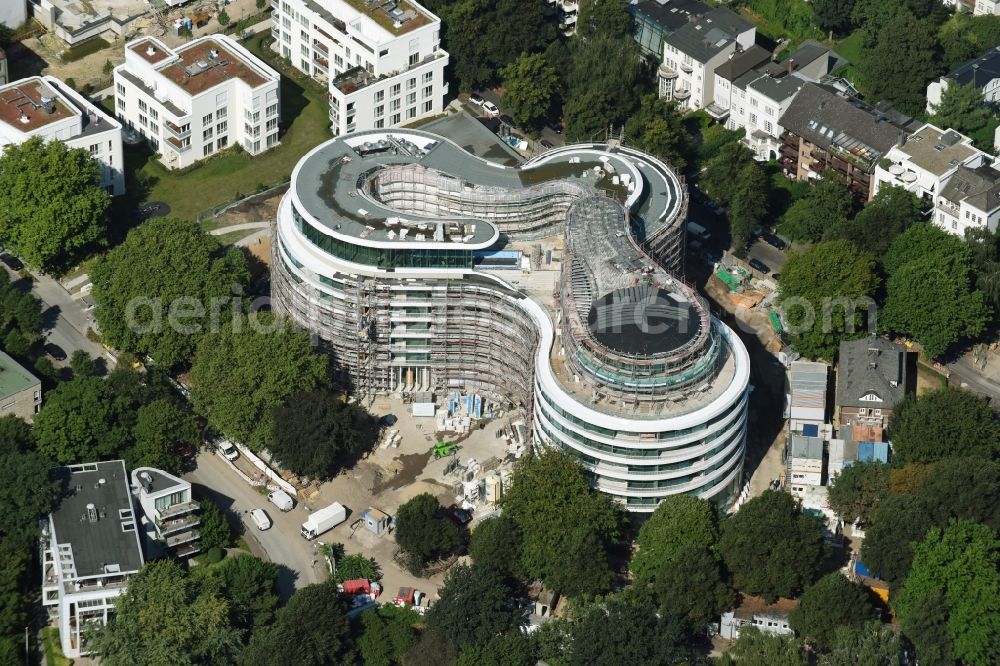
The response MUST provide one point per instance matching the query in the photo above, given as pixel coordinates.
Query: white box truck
(323, 520)
(281, 499)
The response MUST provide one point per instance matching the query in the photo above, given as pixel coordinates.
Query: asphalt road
(282, 543)
(492, 96)
(965, 374)
(65, 320)
(772, 257)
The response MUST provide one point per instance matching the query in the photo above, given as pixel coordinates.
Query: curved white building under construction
(387, 248)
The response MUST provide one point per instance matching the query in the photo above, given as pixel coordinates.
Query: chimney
(24, 119)
(791, 65)
(901, 140)
(151, 50)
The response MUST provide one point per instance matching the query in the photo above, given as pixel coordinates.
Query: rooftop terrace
(30, 104)
(206, 63)
(13, 377)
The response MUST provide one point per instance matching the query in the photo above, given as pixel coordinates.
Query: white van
(281, 499)
(260, 519)
(228, 449)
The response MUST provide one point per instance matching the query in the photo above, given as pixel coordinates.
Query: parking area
(475, 136)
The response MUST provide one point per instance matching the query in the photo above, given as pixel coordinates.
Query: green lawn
(232, 236)
(304, 122)
(850, 47)
(53, 650)
(84, 49)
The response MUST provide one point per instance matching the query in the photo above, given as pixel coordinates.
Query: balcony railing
(666, 72)
(178, 145)
(686, 67)
(183, 537)
(320, 46)
(170, 526)
(187, 549)
(178, 509)
(178, 132)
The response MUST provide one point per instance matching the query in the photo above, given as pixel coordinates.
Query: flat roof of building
(394, 17)
(642, 321)
(13, 377)
(936, 150)
(151, 50)
(206, 63)
(153, 480)
(23, 107)
(93, 519)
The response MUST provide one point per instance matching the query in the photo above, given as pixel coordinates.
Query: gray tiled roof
(670, 15)
(777, 88)
(709, 35)
(742, 62)
(978, 71)
(828, 119)
(871, 365)
(980, 187)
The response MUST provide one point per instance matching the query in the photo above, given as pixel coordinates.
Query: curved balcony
(686, 68)
(682, 93)
(667, 73)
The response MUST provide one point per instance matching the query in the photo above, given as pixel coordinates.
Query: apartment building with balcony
(827, 129)
(655, 20)
(924, 161)
(90, 548)
(45, 107)
(170, 516)
(382, 61)
(693, 52)
(192, 101)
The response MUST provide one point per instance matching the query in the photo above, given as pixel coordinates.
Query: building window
(379, 95)
(121, 103)
(379, 110)
(304, 50)
(414, 59)
(394, 105)
(207, 134)
(154, 114)
(120, 88)
(142, 120)
(221, 113)
(272, 139)
(271, 124)
(207, 119)
(411, 84)
(428, 106)
(411, 98)
(142, 106)
(428, 91)
(411, 112)
(380, 123)
(221, 127)
(395, 119)
(207, 150)
(222, 142)
(428, 77)
(95, 148)
(272, 110)
(394, 90)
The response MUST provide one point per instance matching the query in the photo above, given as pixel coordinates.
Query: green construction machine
(441, 449)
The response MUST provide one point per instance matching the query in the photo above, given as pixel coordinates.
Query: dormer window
(871, 397)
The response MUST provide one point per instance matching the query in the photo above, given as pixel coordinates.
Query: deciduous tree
(944, 423)
(160, 290)
(603, 18)
(890, 213)
(51, 203)
(962, 564)
(530, 86)
(423, 532)
(873, 644)
(474, 605)
(832, 602)
(771, 547)
(250, 584)
(243, 371)
(833, 15)
(967, 488)
(567, 528)
(214, 527)
(693, 585)
(827, 205)
(961, 108)
(316, 433)
(898, 522)
(617, 632)
(679, 521)
(901, 63)
(387, 633)
(858, 489)
(826, 296)
(162, 430)
(755, 648)
(496, 543)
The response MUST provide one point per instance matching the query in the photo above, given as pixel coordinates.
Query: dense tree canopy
(51, 203)
(249, 584)
(826, 206)
(891, 212)
(833, 15)
(20, 318)
(603, 86)
(771, 547)
(316, 433)
(162, 431)
(858, 489)
(943, 423)
(78, 423)
(496, 543)
(386, 634)
(657, 127)
(961, 109)
(603, 18)
(617, 632)
(901, 63)
(898, 522)
(965, 487)
(962, 564)
(474, 605)
(679, 521)
(165, 618)
(530, 86)
(693, 585)
(831, 603)
(873, 644)
(163, 287)
(423, 532)
(826, 296)
(311, 630)
(930, 292)
(567, 527)
(248, 368)
(965, 37)
(756, 648)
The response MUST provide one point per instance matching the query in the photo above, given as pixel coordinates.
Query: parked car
(774, 241)
(491, 109)
(458, 515)
(507, 120)
(229, 450)
(260, 519)
(547, 145)
(281, 499)
(759, 265)
(13, 263)
(476, 99)
(55, 351)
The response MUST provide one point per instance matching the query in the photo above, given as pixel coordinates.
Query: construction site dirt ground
(389, 477)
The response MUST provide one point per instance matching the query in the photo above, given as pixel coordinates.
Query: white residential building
(987, 8)
(169, 513)
(692, 54)
(982, 72)
(4, 75)
(90, 548)
(804, 462)
(197, 99)
(944, 167)
(13, 13)
(754, 611)
(45, 107)
(383, 63)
